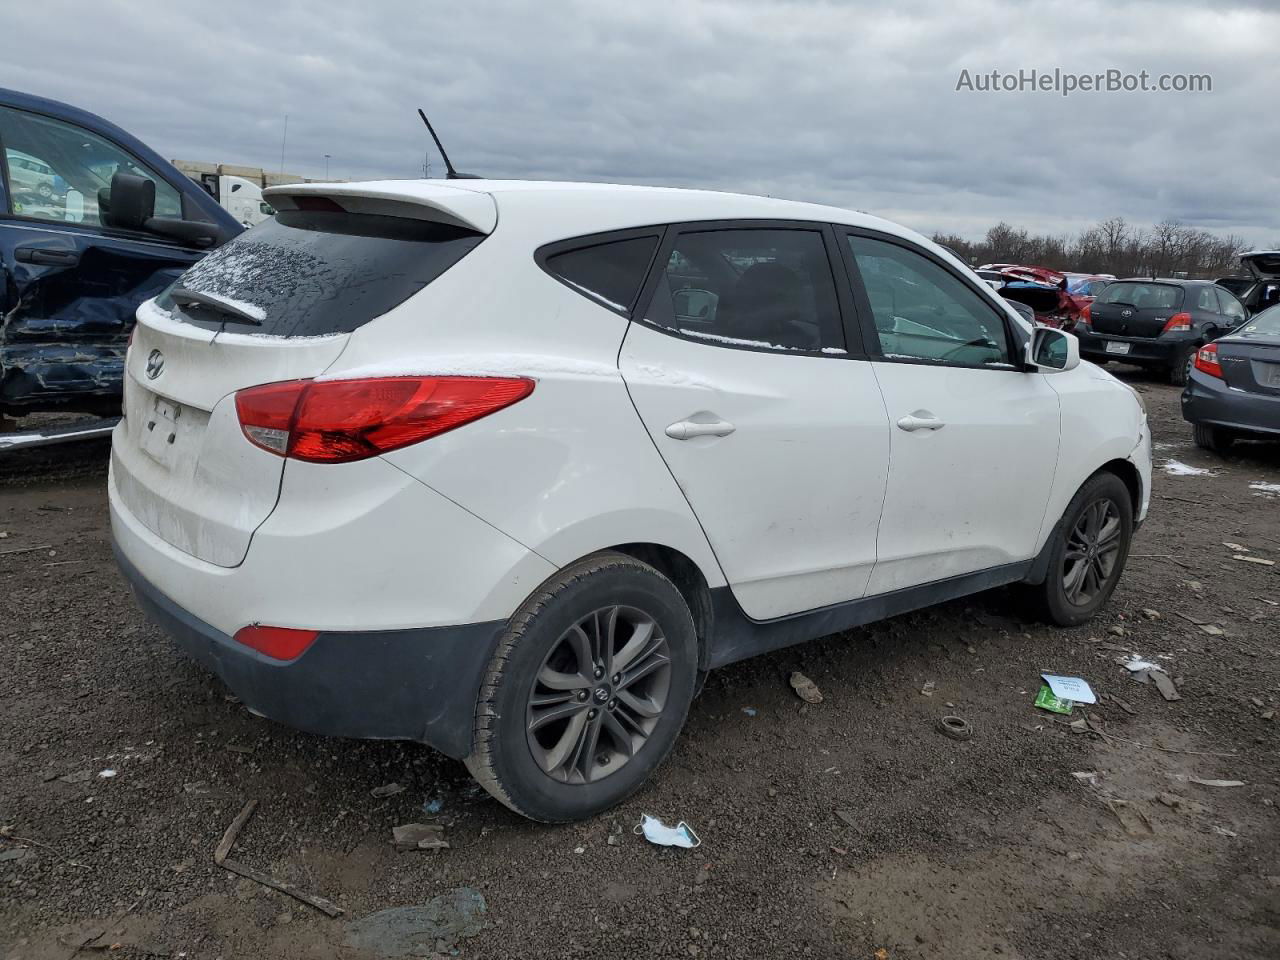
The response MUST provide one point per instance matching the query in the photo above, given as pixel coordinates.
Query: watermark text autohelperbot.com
(1066, 83)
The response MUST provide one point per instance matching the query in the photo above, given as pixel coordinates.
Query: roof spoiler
(416, 199)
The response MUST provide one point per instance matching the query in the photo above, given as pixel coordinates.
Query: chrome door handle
(688, 429)
(912, 422)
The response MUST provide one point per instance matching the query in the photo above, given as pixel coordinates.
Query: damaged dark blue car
(92, 223)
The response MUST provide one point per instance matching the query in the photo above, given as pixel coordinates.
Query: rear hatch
(1135, 308)
(277, 303)
(1263, 264)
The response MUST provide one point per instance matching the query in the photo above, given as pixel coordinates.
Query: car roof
(1172, 281)
(549, 210)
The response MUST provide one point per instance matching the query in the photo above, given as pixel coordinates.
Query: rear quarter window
(609, 273)
(310, 273)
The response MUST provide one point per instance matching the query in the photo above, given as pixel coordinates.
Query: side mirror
(131, 202)
(1052, 351)
(131, 205)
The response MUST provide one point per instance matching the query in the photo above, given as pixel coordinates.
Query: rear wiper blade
(234, 314)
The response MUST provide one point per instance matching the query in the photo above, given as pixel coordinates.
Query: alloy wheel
(1093, 552)
(598, 695)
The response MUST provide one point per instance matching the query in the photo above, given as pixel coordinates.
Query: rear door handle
(688, 429)
(912, 422)
(46, 256)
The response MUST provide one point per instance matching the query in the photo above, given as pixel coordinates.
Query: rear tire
(1212, 438)
(587, 691)
(1089, 552)
(1181, 371)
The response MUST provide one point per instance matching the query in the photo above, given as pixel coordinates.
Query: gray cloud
(846, 103)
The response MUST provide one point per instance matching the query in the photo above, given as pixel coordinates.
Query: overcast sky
(841, 102)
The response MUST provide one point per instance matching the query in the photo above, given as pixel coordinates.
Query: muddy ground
(836, 830)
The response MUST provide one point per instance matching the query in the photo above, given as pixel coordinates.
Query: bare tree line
(1170, 248)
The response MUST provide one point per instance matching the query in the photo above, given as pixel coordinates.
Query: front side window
(923, 311)
(56, 170)
(1232, 308)
(760, 288)
(610, 273)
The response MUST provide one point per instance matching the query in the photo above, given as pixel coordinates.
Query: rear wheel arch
(688, 578)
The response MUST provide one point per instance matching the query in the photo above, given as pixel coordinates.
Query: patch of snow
(593, 295)
(479, 365)
(243, 306)
(737, 342)
(1176, 468)
(1265, 487)
(677, 378)
(836, 351)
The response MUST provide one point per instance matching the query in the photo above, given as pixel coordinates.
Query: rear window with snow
(311, 273)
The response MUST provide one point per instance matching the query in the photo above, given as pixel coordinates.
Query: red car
(1057, 298)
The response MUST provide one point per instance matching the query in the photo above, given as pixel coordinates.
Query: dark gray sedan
(1233, 391)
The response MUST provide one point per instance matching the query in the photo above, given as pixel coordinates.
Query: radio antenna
(450, 173)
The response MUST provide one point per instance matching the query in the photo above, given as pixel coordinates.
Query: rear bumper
(1208, 400)
(419, 684)
(1165, 351)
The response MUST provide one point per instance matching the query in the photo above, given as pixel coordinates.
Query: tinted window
(923, 311)
(1144, 296)
(608, 272)
(56, 170)
(1207, 299)
(308, 273)
(755, 288)
(1231, 307)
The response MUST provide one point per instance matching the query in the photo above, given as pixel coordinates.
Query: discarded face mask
(655, 831)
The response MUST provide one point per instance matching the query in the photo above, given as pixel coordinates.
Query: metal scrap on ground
(229, 840)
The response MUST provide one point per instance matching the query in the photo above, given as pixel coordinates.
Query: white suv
(505, 467)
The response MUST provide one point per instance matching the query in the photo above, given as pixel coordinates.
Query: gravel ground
(836, 830)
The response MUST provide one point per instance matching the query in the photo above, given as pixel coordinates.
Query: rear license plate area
(161, 430)
(1115, 347)
(1267, 374)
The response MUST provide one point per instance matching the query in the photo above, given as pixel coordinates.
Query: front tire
(587, 691)
(1089, 553)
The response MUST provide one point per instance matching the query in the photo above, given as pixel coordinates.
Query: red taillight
(1207, 360)
(278, 643)
(1178, 322)
(337, 421)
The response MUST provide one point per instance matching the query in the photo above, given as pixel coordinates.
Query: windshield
(1144, 296)
(1265, 324)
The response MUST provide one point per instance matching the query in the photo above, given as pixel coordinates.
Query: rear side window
(1207, 300)
(609, 273)
(761, 288)
(309, 273)
(1144, 296)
